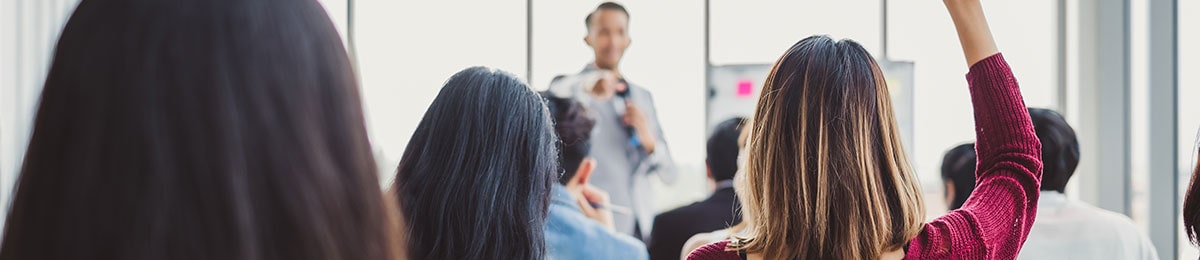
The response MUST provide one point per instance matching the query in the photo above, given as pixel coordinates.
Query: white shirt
(1070, 229)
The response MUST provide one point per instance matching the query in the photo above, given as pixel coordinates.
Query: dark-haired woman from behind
(200, 129)
(827, 176)
(475, 179)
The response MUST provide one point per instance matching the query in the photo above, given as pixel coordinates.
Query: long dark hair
(204, 129)
(474, 181)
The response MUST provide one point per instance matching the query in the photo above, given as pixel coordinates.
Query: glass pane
(921, 32)
(1189, 109)
(1139, 124)
(407, 49)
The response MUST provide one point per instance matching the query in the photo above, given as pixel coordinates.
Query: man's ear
(584, 173)
(587, 40)
(708, 170)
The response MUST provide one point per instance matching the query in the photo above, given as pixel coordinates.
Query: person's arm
(995, 221)
(973, 32)
(658, 159)
(590, 194)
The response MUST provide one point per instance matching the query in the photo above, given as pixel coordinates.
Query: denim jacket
(571, 235)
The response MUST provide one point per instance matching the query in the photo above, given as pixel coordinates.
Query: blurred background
(1126, 74)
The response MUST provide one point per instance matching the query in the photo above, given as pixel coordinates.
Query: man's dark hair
(723, 149)
(574, 128)
(958, 167)
(1060, 148)
(587, 22)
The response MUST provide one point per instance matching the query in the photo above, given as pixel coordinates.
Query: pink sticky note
(745, 88)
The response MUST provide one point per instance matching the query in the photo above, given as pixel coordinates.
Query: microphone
(629, 130)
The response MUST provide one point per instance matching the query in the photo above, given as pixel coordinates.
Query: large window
(406, 50)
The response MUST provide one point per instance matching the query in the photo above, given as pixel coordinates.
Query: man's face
(607, 34)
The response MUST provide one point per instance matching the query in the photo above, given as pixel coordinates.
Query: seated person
(580, 226)
(720, 210)
(958, 174)
(739, 182)
(1067, 228)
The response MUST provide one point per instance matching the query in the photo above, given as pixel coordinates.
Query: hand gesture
(595, 196)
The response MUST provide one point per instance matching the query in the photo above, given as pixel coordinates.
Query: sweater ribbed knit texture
(995, 220)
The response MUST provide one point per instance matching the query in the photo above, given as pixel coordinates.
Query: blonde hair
(826, 176)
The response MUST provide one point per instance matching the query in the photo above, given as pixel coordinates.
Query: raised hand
(973, 31)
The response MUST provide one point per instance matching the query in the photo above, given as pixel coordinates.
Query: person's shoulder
(714, 251)
(565, 229)
(638, 90)
(621, 246)
(699, 240)
(1118, 224)
(682, 212)
(1105, 217)
(681, 215)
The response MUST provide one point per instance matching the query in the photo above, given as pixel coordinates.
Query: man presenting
(627, 143)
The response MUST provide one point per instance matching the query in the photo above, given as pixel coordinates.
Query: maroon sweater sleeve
(714, 251)
(995, 220)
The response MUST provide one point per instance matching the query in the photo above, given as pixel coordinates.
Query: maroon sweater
(995, 220)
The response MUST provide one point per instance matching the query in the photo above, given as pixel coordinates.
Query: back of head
(474, 181)
(958, 167)
(199, 129)
(605, 6)
(1060, 148)
(827, 176)
(723, 149)
(574, 128)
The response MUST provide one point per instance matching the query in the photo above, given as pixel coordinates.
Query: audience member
(1067, 228)
(720, 210)
(958, 175)
(200, 129)
(580, 227)
(474, 182)
(739, 186)
(827, 177)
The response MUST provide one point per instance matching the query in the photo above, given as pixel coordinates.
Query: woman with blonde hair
(827, 177)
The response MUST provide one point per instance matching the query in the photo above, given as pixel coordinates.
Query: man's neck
(614, 69)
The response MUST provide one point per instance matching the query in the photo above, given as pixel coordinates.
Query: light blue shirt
(571, 235)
